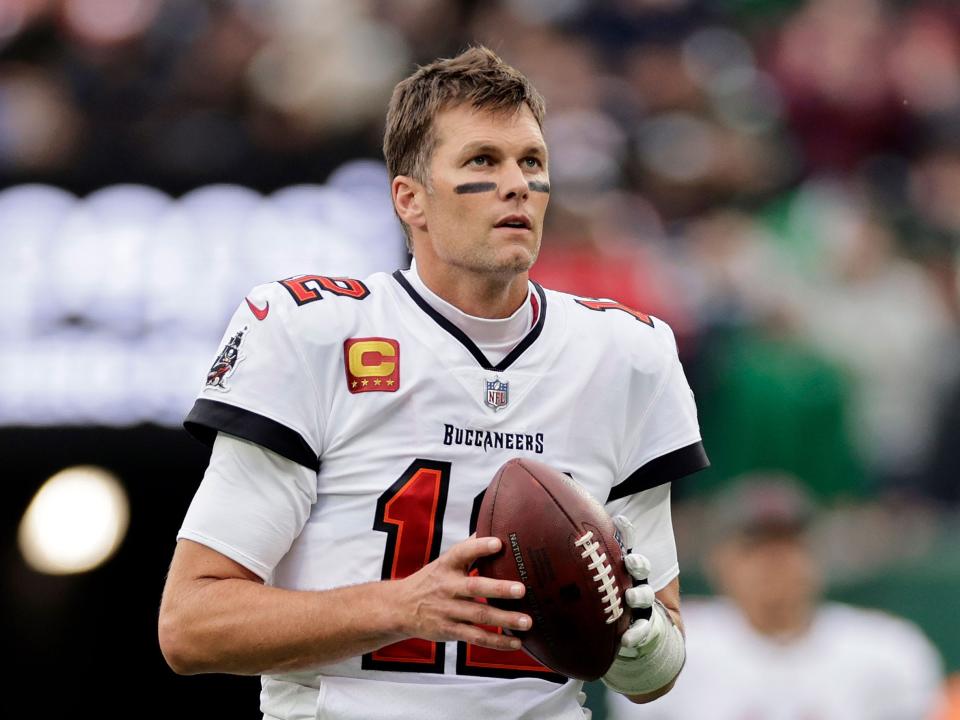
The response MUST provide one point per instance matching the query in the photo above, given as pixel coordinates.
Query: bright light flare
(75, 522)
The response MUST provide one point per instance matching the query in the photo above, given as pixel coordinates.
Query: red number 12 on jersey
(411, 513)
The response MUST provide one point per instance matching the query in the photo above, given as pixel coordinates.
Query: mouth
(514, 222)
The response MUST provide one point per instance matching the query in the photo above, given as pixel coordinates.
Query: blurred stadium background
(779, 179)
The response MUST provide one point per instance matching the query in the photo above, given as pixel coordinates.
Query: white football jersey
(403, 422)
(852, 664)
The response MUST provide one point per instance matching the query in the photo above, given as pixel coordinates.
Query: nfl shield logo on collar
(497, 394)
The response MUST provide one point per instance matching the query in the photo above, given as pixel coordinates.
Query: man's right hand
(218, 616)
(440, 601)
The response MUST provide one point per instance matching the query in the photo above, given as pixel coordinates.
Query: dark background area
(72, 641)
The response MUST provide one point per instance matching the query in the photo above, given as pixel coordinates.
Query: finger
(641, 596)
(465, 552)
(636, 634)
(625, 528)
(479, 586)
(582, 699)
(637, 565)
(484, 614)
(478, 636)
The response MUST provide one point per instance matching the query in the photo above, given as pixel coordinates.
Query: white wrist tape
(654, 662)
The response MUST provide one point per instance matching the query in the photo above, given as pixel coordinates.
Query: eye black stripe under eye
(538, 186)
(475, 187)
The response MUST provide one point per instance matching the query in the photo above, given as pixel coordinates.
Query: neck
(478, 294)
(782, 624)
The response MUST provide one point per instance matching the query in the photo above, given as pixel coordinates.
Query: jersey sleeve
(251, 504)
(259, 387)
(649, 511)
(663, 444)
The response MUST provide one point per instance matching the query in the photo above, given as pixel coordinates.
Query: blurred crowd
(779, 179)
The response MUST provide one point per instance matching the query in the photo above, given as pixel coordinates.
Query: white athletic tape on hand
(636, 636)
(637, 565)
(626, 530)
(582, 699)
(652, 655)
(641, 596)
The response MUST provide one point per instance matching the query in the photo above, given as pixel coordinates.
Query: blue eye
(479, 160)
(532, 162)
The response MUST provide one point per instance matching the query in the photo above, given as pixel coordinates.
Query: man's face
(773, 578)
(479, 191)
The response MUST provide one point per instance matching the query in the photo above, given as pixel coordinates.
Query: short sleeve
(664, 444)
(650, 513)
(259, 387)
(251, 504)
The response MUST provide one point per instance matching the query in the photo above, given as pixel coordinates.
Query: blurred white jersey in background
(852, 664)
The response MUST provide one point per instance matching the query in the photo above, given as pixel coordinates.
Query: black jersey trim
(666, 468)
(465, 340)
(208, 417)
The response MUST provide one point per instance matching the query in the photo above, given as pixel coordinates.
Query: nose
(513, 184)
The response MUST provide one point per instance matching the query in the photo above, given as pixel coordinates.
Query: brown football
(561, 544)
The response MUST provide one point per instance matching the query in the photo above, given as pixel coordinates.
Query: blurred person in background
(769, 647)
(880, 317)
(311, 554)
(768, 385)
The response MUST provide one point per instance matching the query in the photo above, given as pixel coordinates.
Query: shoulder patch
(372, 364)
(226, 363)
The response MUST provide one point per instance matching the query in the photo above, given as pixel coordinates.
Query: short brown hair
(476, 76)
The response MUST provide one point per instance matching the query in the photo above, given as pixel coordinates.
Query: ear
(408, 195)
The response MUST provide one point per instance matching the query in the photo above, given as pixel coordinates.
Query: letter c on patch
(372, 358)
(372, 364)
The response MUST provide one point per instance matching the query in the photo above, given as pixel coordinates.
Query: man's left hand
(652, 649)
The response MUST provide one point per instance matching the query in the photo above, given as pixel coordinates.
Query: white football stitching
(607, 584)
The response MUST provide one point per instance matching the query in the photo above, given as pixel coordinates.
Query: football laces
(606, 583)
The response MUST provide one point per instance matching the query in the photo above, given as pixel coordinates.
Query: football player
(328, 546)
(769, 647)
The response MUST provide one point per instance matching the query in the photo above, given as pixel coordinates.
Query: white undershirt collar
(496, 337)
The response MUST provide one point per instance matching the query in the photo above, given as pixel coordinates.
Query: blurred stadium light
(118, 298)
(76, 521)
